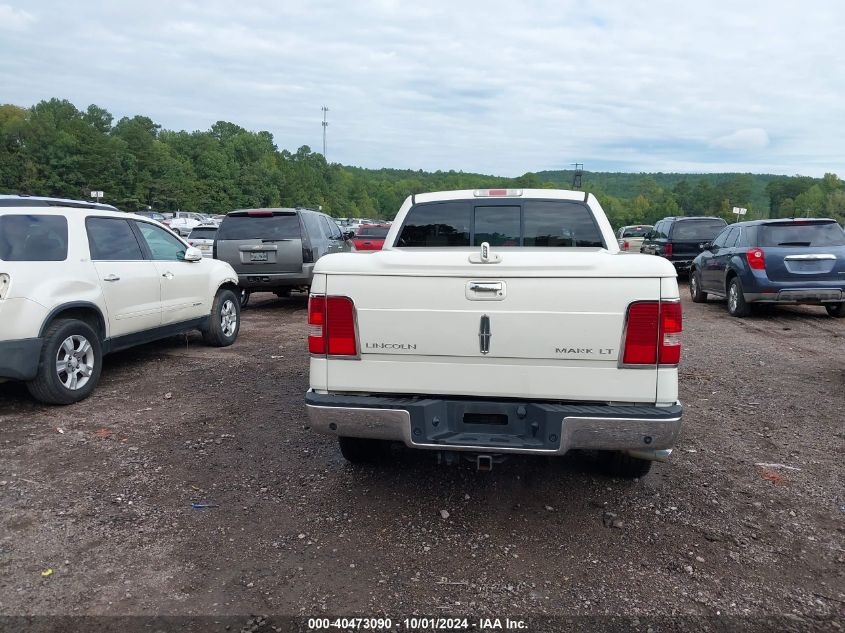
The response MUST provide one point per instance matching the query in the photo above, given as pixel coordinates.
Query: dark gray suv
(275, 249)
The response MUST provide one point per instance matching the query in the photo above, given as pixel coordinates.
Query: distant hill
(628, 185)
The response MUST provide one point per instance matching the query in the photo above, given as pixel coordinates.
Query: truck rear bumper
(486, 426)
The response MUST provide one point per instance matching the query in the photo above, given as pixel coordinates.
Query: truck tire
(70, 363)
(836, 309)
(359, 450)
(736, 300)
(696, 293)
(622, 465)
(225, 321)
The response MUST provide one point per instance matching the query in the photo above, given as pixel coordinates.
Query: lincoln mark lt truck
(494, 322)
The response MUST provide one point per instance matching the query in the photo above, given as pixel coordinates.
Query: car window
(267, 226)
(705, 229)
(636, 231)
(112, 239)
(557, 223)
(436, 224)
(498, 225)
(721, 238)
(802, 234)
(325, 224)
(730, 242)
(163, 245)
(203, 233)
(313, 225)
(33, 238)
(660, 229)
(377, 232)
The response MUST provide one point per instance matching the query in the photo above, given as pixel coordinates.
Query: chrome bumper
(581, 432)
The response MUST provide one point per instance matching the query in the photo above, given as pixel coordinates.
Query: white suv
(79, 280)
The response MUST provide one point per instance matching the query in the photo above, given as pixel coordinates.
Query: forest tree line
(55, 149)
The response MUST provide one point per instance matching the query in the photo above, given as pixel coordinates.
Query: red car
(370, 237)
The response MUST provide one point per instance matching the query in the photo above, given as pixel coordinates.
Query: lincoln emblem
(484, 335)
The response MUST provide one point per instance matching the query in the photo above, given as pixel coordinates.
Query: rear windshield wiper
(794, 243)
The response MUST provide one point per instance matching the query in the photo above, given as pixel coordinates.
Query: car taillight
(667, 250)
(331, 326)
(625, 245)
(756, 259)
(653, 333)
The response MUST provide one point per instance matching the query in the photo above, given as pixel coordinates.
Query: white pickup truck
(497, 321)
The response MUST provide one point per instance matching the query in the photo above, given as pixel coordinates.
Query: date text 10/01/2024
(417, 624)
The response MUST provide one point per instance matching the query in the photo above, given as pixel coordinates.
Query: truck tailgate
(496, 331)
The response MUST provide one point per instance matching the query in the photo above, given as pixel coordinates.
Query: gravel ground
(101, 492)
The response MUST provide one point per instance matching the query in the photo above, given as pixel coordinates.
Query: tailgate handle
(493, 286)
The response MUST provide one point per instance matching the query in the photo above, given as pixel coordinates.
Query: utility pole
(325, 109)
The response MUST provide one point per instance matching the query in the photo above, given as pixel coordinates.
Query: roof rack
(39, 201)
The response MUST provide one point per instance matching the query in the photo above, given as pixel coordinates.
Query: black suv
(681, 239)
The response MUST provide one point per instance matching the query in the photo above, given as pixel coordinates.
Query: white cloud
(480, 85)
(12, 19)
(744, 140)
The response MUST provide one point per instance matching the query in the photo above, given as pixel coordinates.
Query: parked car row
(754, 264)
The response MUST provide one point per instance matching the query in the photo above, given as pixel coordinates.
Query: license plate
(258, 257)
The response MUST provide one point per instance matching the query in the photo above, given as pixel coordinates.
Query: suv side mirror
(193, 254)
(348, 235)
(705, 246)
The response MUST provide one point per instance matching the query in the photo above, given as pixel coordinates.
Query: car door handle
(168, 275)
(111, 277)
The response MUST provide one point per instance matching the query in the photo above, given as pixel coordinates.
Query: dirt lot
(106, 502)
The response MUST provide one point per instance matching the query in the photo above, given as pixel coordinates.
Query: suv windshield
(514, 222)
(33, 238)
(259, 227)
(802, 234)
(697, 229)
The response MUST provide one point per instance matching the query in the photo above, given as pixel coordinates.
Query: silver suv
(275, 249)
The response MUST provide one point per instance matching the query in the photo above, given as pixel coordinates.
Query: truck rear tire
(359, 450)
(622, 465)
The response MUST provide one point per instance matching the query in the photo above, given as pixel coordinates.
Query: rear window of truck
(535, 223)
(802, 234)
(33, 238)
(697, 229)
(259, 227)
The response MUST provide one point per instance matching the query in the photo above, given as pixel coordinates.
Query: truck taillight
(671, 326)
(756, 259)
(331, 326)
(667, 250)
(653, 333)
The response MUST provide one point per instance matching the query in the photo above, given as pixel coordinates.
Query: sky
(480, 86)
